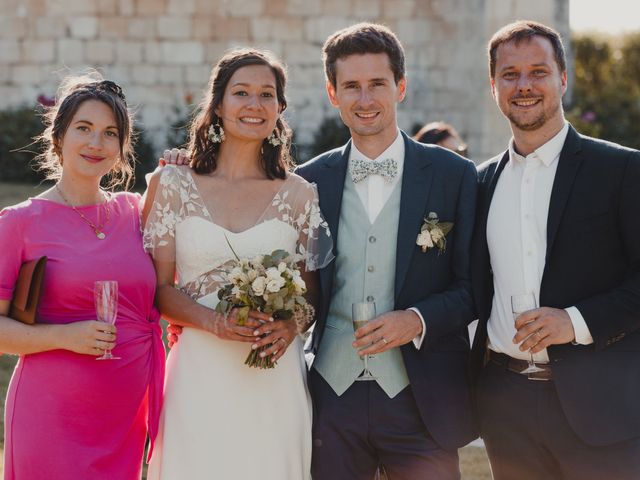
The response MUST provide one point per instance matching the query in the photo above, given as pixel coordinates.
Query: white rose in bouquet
(267, 283)
(274, 285)
(235, 275)
(258, 286)
(298, 283)
(272, 273)
(252, 274)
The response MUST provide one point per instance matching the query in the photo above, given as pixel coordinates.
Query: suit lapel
(568, 165)
(491, 183)
(330, 180)
(481, 262)
(416, 185)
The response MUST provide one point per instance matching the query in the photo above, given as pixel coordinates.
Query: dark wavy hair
(436, 132)
(525, 30)
(360, 39)
(73, 92)
(275, 160)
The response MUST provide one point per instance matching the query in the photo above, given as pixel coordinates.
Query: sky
(610, 16)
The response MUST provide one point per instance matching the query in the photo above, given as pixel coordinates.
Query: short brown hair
(73, 92)
(360, 39)
(275, 160)
(525, 30)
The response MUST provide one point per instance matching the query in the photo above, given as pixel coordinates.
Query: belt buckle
(544, 376)
(530, 376)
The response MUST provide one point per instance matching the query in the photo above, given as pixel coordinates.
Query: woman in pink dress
(67, 415)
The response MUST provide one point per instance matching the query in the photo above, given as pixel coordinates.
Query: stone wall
(162, 52)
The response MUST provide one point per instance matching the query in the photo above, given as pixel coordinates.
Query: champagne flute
(105, 296)
(520, 304)
(361, 314)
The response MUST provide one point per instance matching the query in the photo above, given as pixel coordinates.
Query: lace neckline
(209, 213)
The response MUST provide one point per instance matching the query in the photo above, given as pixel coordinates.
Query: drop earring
(276, 140)
(216, 133)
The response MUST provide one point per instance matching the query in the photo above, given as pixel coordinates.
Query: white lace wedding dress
(222, 419)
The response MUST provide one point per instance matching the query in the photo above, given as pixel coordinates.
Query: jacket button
(370, 268)
(370, 299)
(372, 239)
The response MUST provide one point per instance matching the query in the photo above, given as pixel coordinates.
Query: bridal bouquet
(267, 283)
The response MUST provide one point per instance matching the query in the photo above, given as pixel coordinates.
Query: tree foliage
(18, 129)
(606, 98)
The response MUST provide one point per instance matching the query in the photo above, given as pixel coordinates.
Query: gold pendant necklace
(97, 229)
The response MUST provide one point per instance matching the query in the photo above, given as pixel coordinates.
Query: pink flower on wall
(46, 101)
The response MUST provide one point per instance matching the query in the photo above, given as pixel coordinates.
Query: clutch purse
(27, 291)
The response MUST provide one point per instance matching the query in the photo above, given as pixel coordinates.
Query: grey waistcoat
(365, 271)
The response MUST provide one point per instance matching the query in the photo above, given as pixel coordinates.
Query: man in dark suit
(558, 217)
(377, 193)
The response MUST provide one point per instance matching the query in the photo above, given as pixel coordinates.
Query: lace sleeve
(314, 238)
(172, 201)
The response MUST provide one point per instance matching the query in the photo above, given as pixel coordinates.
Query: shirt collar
(395, 151)
(547, 153)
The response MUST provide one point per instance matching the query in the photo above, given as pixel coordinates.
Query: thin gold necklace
(97, 229)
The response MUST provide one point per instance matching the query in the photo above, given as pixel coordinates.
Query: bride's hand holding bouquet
(233, 325)
(273, 285)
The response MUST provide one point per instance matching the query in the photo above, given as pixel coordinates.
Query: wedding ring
(283, 341)
(384, 340)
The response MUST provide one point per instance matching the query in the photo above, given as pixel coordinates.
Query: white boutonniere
(433, 233)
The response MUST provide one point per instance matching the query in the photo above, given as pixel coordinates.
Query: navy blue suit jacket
(593, 263)
(438, 285)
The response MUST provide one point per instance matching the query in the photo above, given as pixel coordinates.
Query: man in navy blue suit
(401, 215)
(558, 219)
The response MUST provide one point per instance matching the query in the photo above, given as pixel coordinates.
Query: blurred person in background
(442, 134)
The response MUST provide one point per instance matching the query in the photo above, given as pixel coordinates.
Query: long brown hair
(73, 92)
(275, 160)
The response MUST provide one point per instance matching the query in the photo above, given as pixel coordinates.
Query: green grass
(7, 363)
(473, 460)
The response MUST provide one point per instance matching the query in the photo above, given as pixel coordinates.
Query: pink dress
(69, 416)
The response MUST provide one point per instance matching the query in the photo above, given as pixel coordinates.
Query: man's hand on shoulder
(173, 334)
(175, 156)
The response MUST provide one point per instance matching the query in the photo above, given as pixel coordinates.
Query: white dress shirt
(374, 192)
(517, 240)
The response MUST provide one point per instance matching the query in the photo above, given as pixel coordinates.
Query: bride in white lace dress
(222, 419)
